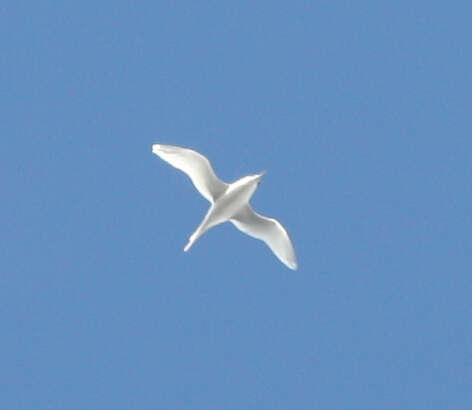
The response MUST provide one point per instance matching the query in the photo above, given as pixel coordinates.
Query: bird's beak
(262, 174)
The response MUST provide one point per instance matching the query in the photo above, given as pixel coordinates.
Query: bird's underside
(229, 202)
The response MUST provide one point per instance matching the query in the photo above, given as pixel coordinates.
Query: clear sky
(360, 113)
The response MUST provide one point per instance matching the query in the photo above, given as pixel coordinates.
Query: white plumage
(229, 202)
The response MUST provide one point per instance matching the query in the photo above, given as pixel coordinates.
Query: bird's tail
(199, 231)
(208, 222)
(193, 239)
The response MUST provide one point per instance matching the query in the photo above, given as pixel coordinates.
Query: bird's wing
(270, 231)
(196, 166)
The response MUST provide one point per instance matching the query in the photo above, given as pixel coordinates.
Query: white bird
(229, 202)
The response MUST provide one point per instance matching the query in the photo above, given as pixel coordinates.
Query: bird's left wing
(270, 231)
(196, 166)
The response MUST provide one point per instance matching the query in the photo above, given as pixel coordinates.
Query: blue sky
(360, 113)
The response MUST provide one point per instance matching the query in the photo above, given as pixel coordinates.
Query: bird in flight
(229, 202)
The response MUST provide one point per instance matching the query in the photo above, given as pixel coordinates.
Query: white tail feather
(193, 238)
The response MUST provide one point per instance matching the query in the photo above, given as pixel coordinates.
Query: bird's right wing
(196, 166)
(270, 231)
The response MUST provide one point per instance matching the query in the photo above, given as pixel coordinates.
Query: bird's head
(253, 178)
(258, 177)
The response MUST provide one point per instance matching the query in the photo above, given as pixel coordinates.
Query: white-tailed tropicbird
(229, 202)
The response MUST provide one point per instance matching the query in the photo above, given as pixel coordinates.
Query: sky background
(360, 113)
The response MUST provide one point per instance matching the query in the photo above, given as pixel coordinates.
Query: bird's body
(229, 202)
